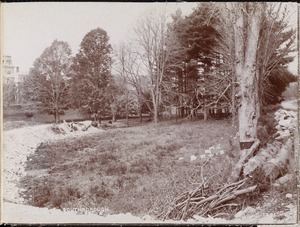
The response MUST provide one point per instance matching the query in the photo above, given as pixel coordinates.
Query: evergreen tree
(91, 74)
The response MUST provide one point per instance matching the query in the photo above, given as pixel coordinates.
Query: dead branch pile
(66, 128)
(197, 202)
(246, 154)
(251, 173)
(272, 159)
(275, 157)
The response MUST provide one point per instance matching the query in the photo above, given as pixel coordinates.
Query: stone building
(12, 78)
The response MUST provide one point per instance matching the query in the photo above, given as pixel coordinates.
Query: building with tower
(12, 78)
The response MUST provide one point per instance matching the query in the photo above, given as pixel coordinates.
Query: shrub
(29, 114)
(41, 196)
(291, 91)
(141, 166)
(116, 168)
(106, 157)
(270, 108)
(266, 128)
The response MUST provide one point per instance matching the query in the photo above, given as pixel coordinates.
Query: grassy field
(138, 169)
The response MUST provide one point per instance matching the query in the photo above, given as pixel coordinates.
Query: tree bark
(155, 113)
(56, 116)
(156, 100)
(276, 166)
(114, 117)
(233, 102)
(246, 34)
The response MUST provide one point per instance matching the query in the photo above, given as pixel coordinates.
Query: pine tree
(91, 74)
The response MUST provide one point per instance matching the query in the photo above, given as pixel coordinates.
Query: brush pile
(66, 128)
(258, 168)
(275, 157)
(197, 202)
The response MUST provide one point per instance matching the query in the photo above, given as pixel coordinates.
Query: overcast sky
(31, 27)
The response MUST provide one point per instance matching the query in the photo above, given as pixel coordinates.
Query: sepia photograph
(161, 113)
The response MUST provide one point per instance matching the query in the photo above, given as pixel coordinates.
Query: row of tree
(59, 81)
(230, 56)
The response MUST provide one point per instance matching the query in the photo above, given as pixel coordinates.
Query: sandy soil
(19, 143)
(290, 105)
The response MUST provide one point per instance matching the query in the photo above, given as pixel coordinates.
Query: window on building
(21, 78)
(8, 72)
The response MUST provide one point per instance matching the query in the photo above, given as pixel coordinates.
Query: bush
(291, 91)
(270, 108)
(29, 114)
(276, 84)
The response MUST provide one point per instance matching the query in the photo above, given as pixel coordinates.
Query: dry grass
(138, 170)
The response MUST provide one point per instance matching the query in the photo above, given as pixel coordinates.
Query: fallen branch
(236, 193)
(276, 166)
(246, 154)
(256, 161)
(190, 204)
(186, 207)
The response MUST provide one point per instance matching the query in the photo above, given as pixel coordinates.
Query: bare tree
(244, 20)
(47, 84)
(246, 36)
(254, 40)
(129, 67)
(9, 94)
(225, 49)
(159, 51)
(276, 42)
(120, 95)
(255, 44)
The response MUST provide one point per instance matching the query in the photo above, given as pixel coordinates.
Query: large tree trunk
(233, 102)
(113, 108)
(156, 101)
(246, 34)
